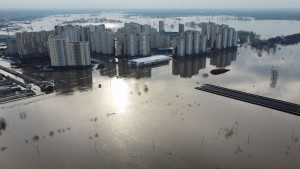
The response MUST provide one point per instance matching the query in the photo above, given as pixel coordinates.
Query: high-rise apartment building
(57, 50)
(160, 41)
(178, 45)
(120, 44)
(235, 38)
(189, 42)
(161, 27)
(131, 44)
(206, 29)
(144, 44)
(219, 41)
(12, 48)
(64, 53)
(196, 41)
(72, 33)
(33, 44)
(102, 42)
(181, 29)
(78, 54)
(132, 27)
(230, 37)
(224, 37)
(145, 28)
(203, 43)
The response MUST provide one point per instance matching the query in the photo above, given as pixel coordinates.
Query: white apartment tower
(57, 50)
(132, 27)
(181, 29)
(189, 42)
(196, 42)
(33, 44)
(145, 28)
(102, 42)
(235, 38)
(219, 41)
(64, 53)
(161, 27)
(131, 44)
(181, 47)
(144, 44)
(230, 37)
(203, 43)
(224, 37)
(12, 48)
(78, 54)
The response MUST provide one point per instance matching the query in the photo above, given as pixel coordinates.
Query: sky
(148, 4)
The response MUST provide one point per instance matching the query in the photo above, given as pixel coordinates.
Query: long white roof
(151, 58)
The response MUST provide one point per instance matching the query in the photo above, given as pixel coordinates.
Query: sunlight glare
(119, 91)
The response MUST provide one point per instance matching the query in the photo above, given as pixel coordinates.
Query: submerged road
(24, 77)
(44, 85)
(251, 98)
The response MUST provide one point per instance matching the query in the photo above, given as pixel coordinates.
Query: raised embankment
(251, 98)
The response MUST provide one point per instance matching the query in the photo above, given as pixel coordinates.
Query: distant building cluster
(72, 45)
(137, 40)
(213, 36)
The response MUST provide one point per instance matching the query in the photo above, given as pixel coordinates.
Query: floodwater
(154, 118)
(115, 20)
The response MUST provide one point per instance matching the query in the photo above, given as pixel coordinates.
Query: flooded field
(264, 28)
(154, 118)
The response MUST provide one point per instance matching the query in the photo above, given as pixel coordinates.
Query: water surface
(154, 118)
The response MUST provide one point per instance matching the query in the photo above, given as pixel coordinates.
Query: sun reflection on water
(119, 94)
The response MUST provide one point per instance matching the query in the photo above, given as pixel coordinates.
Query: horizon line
(108, 8)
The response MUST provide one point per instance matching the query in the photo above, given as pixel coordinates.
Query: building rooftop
(151, 59)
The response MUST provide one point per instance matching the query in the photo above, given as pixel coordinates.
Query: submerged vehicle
(47, 86)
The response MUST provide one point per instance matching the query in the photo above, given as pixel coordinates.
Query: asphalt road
(251, 98)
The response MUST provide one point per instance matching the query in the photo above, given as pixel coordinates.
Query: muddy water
(154, 118)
